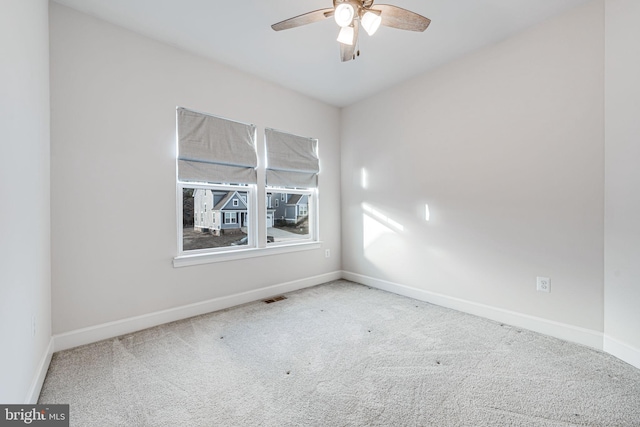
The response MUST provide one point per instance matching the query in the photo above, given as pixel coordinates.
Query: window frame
(256, 246)
(312, 212)
(257, 235)
(229, 216)
(252, 228)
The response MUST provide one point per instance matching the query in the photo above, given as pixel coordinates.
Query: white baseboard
(563, 331)
(622, 351)
(38, 378)
(125, 326)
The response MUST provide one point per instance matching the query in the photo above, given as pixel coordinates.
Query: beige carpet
(341, 354)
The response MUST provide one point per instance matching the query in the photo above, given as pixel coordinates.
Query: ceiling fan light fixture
(371, 21)
(346, 35)
(344, 14)
(351, 14)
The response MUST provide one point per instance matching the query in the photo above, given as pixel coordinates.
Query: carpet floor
(341, 354)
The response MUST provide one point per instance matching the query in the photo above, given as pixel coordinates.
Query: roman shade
(216, 150)
(292, 161)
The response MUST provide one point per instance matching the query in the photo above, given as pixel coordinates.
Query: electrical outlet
(327, 253)
(543, 284)
(33, 325)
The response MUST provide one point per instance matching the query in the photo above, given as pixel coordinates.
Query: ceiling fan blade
(347, 51)
(397, 17)
(304, 19)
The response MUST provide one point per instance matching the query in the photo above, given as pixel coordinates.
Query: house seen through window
(289, 220)
(211, 219)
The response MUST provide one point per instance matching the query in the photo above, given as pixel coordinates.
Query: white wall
(113, 97)
(506, 147)
(25, 272)
(622, 180)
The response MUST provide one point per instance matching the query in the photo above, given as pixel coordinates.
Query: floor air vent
(275, 299)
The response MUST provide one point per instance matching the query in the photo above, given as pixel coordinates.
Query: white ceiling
(306, 59)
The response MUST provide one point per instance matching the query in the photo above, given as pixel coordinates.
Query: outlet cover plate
(543, 284)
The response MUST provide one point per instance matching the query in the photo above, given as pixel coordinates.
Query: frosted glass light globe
(344, 14)
(371, 22)
(346, 36)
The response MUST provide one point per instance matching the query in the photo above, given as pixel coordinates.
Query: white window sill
(196, 259)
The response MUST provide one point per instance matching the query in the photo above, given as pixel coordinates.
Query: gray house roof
(294, 199)
(225, 201)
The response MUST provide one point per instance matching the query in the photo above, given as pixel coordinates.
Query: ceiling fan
(350, 14)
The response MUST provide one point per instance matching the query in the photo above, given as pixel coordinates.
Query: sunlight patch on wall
(364, 178)
(382, 218)
(372, 230)
(375, 225)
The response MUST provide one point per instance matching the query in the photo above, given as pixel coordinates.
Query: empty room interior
(484, 169)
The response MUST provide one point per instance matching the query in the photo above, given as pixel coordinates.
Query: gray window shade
(212, 149)
(291, 160)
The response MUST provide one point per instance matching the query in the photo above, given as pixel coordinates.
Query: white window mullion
(260, 201)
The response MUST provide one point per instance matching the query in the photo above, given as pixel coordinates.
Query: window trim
(313, 212)
(228, 217)
(252, 225)
(257, 234)
(253, 247)
(212, 257)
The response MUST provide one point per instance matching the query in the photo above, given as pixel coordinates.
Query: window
(217, 182)
(213, 229)
(230, 218)
(291, 221)
(292, 172)
(218, 190)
